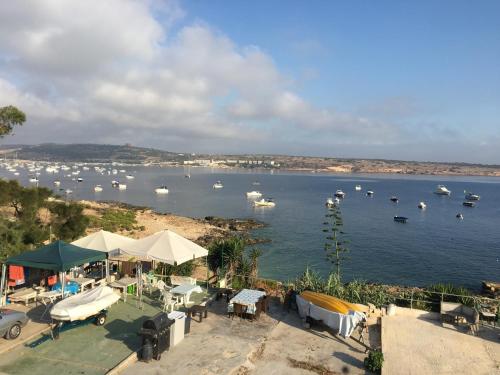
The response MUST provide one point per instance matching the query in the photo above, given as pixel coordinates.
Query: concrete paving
(275, 344)
(415, 342)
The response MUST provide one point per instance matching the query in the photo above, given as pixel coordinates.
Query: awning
(58, 256)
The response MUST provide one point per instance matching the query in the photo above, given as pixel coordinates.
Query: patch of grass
(316, 368)
(116, 220)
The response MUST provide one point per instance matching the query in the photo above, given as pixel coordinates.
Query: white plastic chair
(169, 301)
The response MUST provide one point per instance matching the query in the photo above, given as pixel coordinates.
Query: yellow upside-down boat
(331, 303)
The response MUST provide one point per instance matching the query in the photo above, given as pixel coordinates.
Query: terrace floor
(415, 342)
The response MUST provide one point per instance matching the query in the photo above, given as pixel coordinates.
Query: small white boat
(256, 183)
(442, 190)
(264, 203)
(114, 171)
(422, 205)
(68, 191)
(129, 177)
(339, 194)
(57, 182)
(471, 197)
(79, 179)
(254, 194)
(122, 187)
(332, 202)
(161, 190)
(16, 173)
(33, 179)
(123, 171)
(357, 188)
(98, 188)
(85, 305)
(369, 193)
(115, 183)
(218, 185)
(459, 216)
(394, 199)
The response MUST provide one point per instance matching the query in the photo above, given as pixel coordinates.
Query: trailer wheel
(100, 319)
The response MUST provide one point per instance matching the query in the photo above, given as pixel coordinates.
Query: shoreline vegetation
(128, 154)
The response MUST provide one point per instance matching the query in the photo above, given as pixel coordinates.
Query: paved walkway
(414, 344)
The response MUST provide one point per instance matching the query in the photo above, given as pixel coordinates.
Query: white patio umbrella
(105, 241)
(167, 247)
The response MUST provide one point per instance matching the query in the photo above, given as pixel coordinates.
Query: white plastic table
(123, 284)
(185, 291)
(83, 282)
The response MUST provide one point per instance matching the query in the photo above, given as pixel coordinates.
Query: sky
(410, 80)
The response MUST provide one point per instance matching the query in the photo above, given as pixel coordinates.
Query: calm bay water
(432, 247)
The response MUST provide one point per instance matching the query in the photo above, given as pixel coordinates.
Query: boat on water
(129, 177)
(394, 199)
(68, 191)
(459, 216)
(332, 202)
(33, 180)
(339, 194)
(16, 173)
(468, 204)
(161, 190)
(471, 197)
(57, 182)
(422, 205)
(357, 188)
(115, 183)
(187, 176)
(254, 194)
(98, 188)
(256, 183)
(369, 193)
(442, 190)
(79, 179)
(264, 203)
(218, 185)
(400, 219)
(122, 187)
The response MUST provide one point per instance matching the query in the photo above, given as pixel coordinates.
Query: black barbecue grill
(155, 334)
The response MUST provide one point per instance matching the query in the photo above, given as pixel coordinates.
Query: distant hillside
(92, 153)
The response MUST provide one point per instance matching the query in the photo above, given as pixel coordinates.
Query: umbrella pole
(106, 265)
(208, 271)
(63, 282)
(139, 282)
(3, 299)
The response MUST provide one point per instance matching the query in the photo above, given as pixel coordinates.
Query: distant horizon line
(3, 146)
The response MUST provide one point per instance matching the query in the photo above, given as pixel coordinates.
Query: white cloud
(112, 70)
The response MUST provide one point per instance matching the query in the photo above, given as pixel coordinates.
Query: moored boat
(218, 185)
(98, 188)
(339, 194)
(254, 194)
(357, 188)
(161, 190)
(468, 204)
(394, 199)
(369, 193)
(442, 190)
(264, 203)
(400, 219)
(422, 205)
(471, 197)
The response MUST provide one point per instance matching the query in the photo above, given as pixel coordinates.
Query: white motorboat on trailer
(442, 190)
(161, 190)
(254, 194)
(264, 203)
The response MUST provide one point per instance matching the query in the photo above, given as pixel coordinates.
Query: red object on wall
(16, 275)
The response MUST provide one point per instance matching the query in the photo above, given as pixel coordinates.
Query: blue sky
(383, 79)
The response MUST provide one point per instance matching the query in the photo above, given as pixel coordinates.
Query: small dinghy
(400, 219)
(394, 199)
(84, 305)
(468, 204)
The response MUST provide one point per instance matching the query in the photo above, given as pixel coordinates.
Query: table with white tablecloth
(248, 298)
(185, 291)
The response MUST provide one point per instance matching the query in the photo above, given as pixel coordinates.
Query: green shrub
(115, 220)
(374, 361)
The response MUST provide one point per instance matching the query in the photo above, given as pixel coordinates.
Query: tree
(335, 244)
(10, 116)
(69, 222)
